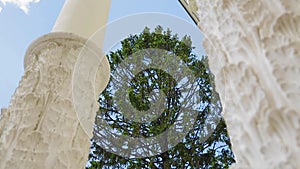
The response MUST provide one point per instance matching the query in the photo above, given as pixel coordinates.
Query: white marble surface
(257, 43)
(83, 18)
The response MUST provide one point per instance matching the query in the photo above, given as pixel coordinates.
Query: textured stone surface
(40, 128)
(256, 44)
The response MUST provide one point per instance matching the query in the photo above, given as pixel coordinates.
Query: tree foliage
(215, 152)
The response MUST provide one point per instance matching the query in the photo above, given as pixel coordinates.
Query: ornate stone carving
(40, 128)
(258, 45)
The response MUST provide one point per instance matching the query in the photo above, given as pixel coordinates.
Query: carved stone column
(40, 128)
(254, 51)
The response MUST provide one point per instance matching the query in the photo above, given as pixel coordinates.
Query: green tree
(214, 152)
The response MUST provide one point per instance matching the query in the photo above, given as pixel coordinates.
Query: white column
(40, 128)
(257, 43)
(82, 17)
(85, 18)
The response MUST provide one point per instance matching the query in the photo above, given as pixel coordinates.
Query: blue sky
(18, 30)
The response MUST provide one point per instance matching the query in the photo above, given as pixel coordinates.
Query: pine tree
(214, 152)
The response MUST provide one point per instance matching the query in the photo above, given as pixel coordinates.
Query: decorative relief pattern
(40, 128)
(258, 45)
